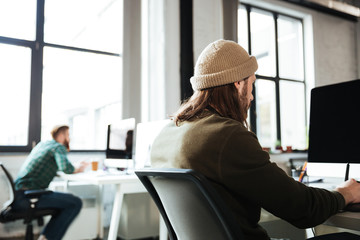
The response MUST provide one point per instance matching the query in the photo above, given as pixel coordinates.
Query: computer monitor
(119, 146)
(146, 133)
(334, 130)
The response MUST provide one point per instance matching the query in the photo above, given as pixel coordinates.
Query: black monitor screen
(334, 133)
(120, 139)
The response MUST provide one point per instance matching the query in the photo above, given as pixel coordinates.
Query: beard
(245, 103)
(248, 106)
(67, 145)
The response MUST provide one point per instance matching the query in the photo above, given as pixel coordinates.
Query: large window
(60, 63)
(276, 40)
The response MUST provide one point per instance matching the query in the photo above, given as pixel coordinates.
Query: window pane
(18, 19)
(266, 112)
(83, 90)
(243, 28)
(98, 28)
(263, 41)
(14, 94)
(292, 105)
(290, 40)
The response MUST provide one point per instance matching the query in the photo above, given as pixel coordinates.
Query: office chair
(192, 209)
(189, 205)
(8, 214)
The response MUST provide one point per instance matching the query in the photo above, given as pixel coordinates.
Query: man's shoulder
(51, 145)
(212, 124)
(48, 143)
(217, 122)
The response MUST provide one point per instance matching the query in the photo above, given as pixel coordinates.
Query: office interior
(161, 39)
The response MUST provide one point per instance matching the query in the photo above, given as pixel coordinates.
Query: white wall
(335, 49)
(212, 21)
(207, 24)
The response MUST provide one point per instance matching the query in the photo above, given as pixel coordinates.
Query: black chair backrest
(11, 185)
(190, 206)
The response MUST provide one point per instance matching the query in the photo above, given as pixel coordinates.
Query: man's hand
(81, 167)
(350, 191)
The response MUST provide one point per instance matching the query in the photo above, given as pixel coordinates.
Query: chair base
(29, 232)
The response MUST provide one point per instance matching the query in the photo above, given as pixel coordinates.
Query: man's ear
(238, 85)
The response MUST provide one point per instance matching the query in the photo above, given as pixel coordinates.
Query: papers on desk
(328, 183)
(89, 174)
(109, 172)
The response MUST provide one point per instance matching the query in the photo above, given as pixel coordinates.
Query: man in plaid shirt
(38, 171)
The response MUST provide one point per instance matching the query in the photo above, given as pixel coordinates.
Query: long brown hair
(224, 99)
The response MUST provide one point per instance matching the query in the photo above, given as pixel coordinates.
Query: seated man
(38, 171)
(209, 134)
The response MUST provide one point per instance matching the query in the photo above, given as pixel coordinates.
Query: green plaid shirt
(41, 166)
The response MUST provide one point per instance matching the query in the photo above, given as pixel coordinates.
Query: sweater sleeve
(247, 171)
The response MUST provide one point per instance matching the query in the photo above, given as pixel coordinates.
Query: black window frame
(276, 79)
(36, 78)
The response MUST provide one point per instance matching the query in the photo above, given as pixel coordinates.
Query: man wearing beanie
(209, 134)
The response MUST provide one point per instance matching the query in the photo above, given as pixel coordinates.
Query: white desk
(125, 184)
(348, 220)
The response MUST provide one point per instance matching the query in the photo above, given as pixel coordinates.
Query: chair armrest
(6, 215)
(36, 193)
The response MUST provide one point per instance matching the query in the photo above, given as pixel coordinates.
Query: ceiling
(349, 9)
(355, 3)
(347, 6)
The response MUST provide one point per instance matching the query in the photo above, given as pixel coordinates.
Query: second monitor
(119, 146)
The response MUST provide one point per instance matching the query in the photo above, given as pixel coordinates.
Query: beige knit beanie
(220, 63)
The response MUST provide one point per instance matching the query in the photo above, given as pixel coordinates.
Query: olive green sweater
(231, 157)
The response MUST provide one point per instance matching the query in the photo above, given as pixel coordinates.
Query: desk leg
(66, 185)
(309, 233)
(100, 212)
(115, 217)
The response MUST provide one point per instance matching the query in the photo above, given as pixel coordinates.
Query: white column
(207, 23)
(132, 60)
(161, 59)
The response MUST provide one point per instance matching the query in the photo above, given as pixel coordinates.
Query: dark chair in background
(189, 205)
(8, 214)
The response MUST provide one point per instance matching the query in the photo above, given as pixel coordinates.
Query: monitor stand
(347, 172)
(120, 164)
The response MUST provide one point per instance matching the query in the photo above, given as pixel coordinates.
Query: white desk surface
(131, 184)
(101, 177)
(348, 220)
(329, 183)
